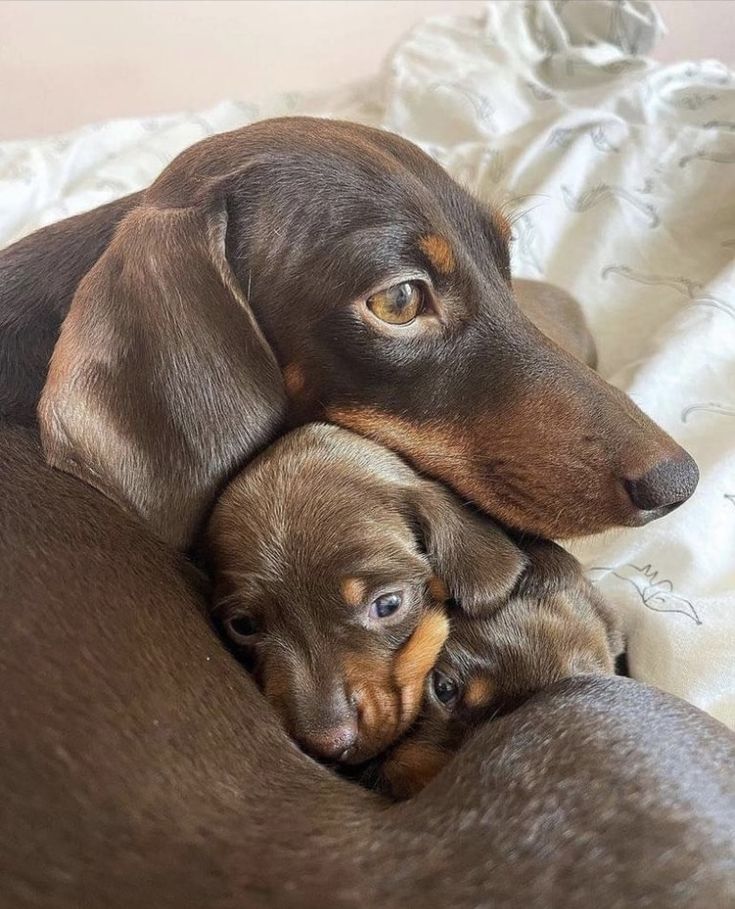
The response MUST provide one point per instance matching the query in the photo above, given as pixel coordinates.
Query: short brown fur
(141, 765)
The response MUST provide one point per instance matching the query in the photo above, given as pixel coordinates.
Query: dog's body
(141, 765)
(143, 768)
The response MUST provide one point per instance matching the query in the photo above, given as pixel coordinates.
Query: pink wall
(68, 62)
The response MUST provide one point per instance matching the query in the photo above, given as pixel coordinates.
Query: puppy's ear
(472, 556)
(161, 381)
(552, 570)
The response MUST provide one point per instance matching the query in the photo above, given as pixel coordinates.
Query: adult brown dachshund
(305, 269)
(141, 767)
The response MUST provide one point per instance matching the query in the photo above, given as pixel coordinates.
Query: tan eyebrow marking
(438, 251)
(501, 224)
(294, 380)
(438, 590)
(353, 590)
(479, 692)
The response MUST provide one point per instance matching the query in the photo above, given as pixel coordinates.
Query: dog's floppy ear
(161, 382)
(552, 570)
(477, 562)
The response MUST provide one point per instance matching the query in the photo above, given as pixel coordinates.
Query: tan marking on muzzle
(389, 693)
(540, 483)
(432, 444)
(416, 660)
(369, 680)
(419, 654)
(438, 251)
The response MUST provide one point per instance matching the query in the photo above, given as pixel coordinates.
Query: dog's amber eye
(397, 305)
(386, 605)
(445, 690)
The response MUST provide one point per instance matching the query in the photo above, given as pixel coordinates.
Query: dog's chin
(552, 521)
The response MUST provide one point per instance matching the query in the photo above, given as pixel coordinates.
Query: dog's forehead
(320, 501)
(462, 652)
(348, 173)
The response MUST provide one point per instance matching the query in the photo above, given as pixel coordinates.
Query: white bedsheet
(624, 172)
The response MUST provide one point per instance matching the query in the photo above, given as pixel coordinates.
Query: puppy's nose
(331, 744)
(665, 486)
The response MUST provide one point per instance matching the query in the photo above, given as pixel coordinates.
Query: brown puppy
(554, 626)
(328, 550)
(304, 269)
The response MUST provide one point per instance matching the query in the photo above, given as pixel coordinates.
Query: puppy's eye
(386, 605)
(241, 627)
(445, 690)
(398, 305)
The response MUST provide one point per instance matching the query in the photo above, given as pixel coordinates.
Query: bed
(621, 177)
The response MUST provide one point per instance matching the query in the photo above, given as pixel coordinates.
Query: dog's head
(554, 626)
(327, 551)
(305, 269)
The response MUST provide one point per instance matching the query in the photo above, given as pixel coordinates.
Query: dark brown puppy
(142, 768)
(554, 626)
(303, 269)
(327, 552)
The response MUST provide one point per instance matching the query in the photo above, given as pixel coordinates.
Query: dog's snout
(665, 486)
(322, 716)
(332, 743)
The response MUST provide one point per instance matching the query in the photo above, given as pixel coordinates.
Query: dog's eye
(241, 627)
(397, 305)
(386, 605)
(445, 690)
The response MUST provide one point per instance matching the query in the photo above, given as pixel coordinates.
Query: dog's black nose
(665, 486)
(331, 744)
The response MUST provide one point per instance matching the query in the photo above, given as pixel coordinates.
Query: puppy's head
(554, 626)
(327, 551)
